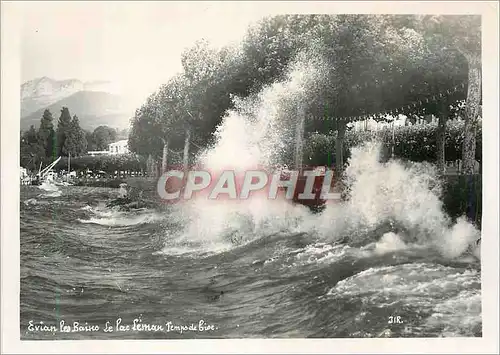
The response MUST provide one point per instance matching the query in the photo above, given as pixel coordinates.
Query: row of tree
(415, 143)
(369, 64)
(50, 142)
(67, 138)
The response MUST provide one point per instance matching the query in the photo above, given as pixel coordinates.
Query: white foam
(47, 186)
(114, 217)
(258, 132)
(405, 195)
(389, 242)
(57, 193)
(254, 134)
(123, 221)
(431, 289)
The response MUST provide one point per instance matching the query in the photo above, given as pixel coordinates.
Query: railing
(116, 175)
(27, 179)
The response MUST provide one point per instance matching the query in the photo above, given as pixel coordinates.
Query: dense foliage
(104, 163)
(46, 144)
(100, 138)
(370, 65)
(463, 195)
(68, 138)
(416, 143)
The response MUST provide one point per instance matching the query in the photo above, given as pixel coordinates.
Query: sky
(135, 45)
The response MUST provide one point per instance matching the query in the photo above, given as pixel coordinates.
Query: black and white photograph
(210, 170)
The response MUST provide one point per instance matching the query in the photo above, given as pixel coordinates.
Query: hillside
(93, 108)
(42, 92)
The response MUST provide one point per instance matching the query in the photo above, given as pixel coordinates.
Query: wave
(113, 217)
(52, 194)
(50, 187)
(397, 201)
(394, 196)
(253, 134)
(391, 207)
(448, 299)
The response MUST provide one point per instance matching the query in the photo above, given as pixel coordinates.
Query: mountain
(93, 109)
(42, 92)
(92, 102)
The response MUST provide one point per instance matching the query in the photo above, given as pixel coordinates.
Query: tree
(102, 136)
(384, 64)
(369, 65)
(144, 136)
(32, 151)
(268, 48)
(89, 137)
(46, 135)
(462, 34)
(198, 98)
(443, 70)
(210, 77)
(63, 130)
(75, 143)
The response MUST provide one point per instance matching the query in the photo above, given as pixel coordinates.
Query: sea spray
(459, 238)
(260, 129)
(395, 195)
(402, 198)
(256, 133)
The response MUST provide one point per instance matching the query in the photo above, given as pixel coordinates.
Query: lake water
(83, 262)
(387, 262)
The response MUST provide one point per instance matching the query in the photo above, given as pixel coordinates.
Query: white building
(120, 147)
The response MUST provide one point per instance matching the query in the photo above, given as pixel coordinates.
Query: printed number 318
(395, 320)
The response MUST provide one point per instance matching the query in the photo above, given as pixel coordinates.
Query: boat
(45, 176)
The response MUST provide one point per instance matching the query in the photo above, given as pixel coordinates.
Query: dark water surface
(83, 262)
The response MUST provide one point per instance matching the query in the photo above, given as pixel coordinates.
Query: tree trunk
(151, 167)
(339, 153)
(440, 139)
(157, 169)
(393, 145)
(471, 115)
(187, 139)
(164, 159)
(299, 137)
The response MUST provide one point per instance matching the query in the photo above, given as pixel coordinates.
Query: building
(120, 147)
